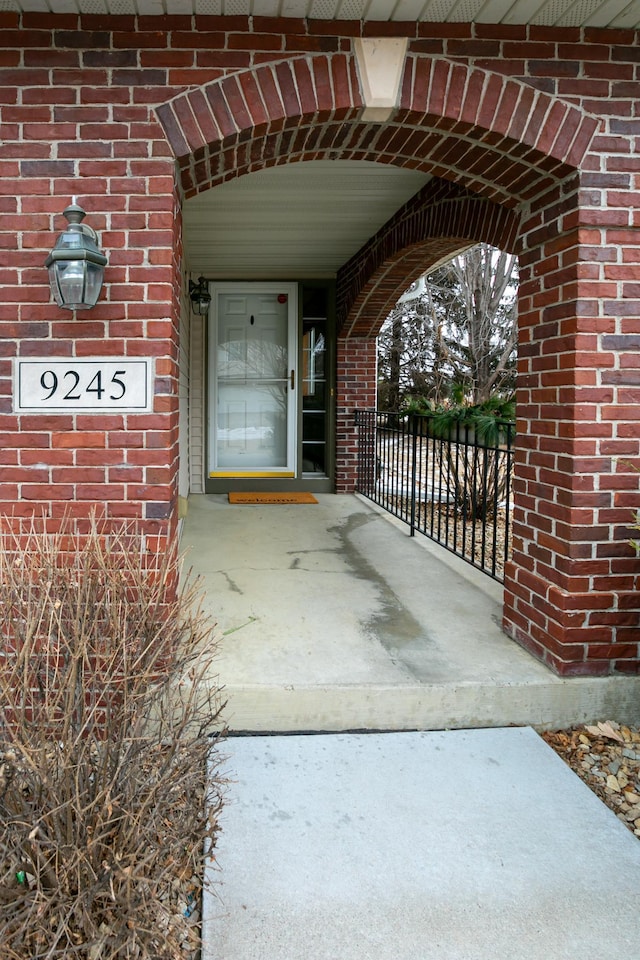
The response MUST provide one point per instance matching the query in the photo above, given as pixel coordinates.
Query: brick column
(571, 590)
(355, 390)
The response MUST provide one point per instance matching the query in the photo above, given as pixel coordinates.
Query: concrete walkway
(458, 845)
(333, 619)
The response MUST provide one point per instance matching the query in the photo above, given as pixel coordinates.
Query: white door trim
(290, 290)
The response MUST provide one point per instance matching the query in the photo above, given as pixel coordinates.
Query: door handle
(293, 379)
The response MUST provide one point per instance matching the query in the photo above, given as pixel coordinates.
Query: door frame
(290, 290)
(313, 483)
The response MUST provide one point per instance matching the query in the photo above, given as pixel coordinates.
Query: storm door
(252, 352)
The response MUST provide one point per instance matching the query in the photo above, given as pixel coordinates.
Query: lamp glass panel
(95, 273)
(71, 281)
(53, 283)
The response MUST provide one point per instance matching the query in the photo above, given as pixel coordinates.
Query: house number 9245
(50, 383)
(60, 386)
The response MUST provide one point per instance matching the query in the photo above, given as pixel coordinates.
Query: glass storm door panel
(252, 369)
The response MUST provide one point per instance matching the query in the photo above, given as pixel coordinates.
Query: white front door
(252, 352)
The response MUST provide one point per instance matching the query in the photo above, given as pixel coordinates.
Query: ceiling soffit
(618, 14)
(294, 221)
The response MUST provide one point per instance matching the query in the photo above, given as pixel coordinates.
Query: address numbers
(64, 386)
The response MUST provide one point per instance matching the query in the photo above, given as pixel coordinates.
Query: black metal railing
(453, 488)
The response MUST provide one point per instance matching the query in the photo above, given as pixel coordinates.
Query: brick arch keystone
(439, 221)
(498, 136)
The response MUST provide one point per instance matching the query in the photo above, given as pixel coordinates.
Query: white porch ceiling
(561, 13)
(294, 221)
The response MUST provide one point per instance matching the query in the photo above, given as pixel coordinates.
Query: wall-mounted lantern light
(76, 263)
(200, 296)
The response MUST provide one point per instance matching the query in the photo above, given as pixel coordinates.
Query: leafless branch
(109, 714)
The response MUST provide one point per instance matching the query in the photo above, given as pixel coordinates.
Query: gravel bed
(606, 756)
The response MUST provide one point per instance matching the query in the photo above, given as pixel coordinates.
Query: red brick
(79, 439)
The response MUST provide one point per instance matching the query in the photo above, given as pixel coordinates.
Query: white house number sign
(88, 384)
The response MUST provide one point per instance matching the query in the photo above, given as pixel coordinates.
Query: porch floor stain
(332, 618)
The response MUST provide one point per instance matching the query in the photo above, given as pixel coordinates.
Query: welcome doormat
(272, 498)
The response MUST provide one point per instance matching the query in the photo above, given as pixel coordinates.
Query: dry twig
(109, 712)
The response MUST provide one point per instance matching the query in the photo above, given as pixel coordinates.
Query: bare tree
(483, 331)
(456, 335)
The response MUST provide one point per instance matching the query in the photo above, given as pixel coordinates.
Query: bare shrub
(109, 712)
(477, 479)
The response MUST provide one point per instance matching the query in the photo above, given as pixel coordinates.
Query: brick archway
(436, 223)
(507, 148)
(480, 107)
(499, 137)
(492, 142)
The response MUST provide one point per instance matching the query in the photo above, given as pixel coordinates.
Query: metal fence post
(466, 483)
(413, 427)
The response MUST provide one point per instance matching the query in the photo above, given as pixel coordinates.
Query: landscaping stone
(603, 756)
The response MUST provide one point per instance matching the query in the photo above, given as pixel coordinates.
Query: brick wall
(76, 120)
(101, 107)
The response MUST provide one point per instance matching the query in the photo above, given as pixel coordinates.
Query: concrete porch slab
(333, 618)
(456, 845)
